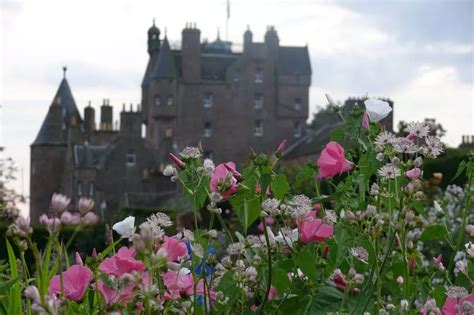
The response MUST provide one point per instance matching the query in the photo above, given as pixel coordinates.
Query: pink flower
(315, 231)
(273, 293)
(178, 283)
(453, 306)
(112, 296)
(125, 294)
(282, 146)
(268, 220)
(122, 262)
(253, 308)
(208, 292)
(400, 280)
(177, 161)
(75, 281)
(339, 280)
(332, 162)
(90, 218)
(438, 263)
(365, 121)
(70, 218)
(414, 173)
(230, 166)
(174, 248)
(223, 180)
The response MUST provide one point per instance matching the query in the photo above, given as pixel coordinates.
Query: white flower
(418, 129)
(469, 249)
(377, 109)
(460, 266)
(59, 202)
(208, 166)
(126, 227)
(389, 171)
(470, 230)
(437, 207)
(169, 170)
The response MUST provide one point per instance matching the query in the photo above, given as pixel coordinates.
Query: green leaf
(338, 135)
(461, 168)
(434, 233)
(280, 280)
(419, 208)
(5, 286)
(307, 264)
(280, 186)
(14, 301)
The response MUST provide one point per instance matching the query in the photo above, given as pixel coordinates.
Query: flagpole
(227, 21)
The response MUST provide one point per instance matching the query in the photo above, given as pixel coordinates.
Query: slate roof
(216, 57)
(90, 156)
(164, 67)
(66, 100)
(214, 66)
(294, 60)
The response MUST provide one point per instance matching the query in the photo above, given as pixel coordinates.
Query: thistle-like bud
(177, 161)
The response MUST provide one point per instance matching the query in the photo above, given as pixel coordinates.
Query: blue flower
(208, 269)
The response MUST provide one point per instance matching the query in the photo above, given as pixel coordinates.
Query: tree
(9, 198)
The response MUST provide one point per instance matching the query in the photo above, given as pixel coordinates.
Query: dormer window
(131, 158)
(207, 129)
(170, 100)
(297, 129)
(258, 101)
(207, 100)
(157, 100)
(297, 104)
(258, 128)
(258, 75)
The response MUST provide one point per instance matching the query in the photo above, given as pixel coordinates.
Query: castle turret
(62, 124)
(191, 53)
(271, 40)
(248, 40)
(153, 50)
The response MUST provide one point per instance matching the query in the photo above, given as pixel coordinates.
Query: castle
(203, 92)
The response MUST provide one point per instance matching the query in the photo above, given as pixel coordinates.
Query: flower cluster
(365, 237)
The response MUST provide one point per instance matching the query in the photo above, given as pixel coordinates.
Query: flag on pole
(228, 9)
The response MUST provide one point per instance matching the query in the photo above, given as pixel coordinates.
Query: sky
(418, 53)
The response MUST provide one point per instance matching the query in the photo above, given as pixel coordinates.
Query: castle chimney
(191, 52)
(89, 118)
(106, 116)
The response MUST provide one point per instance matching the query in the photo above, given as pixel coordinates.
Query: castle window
(297, 104)
(258, 75)
(91, 189)
(258, 128)
(170, 100)
(297, 129)
(157, 100)
(131, 158)
(207, 100)
(258, 101)
(207, 129)
(79, 188)
(236, 76)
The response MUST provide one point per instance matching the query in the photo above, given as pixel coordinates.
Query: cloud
(438, 92)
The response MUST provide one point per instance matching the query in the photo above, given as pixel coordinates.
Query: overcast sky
(418, 53)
